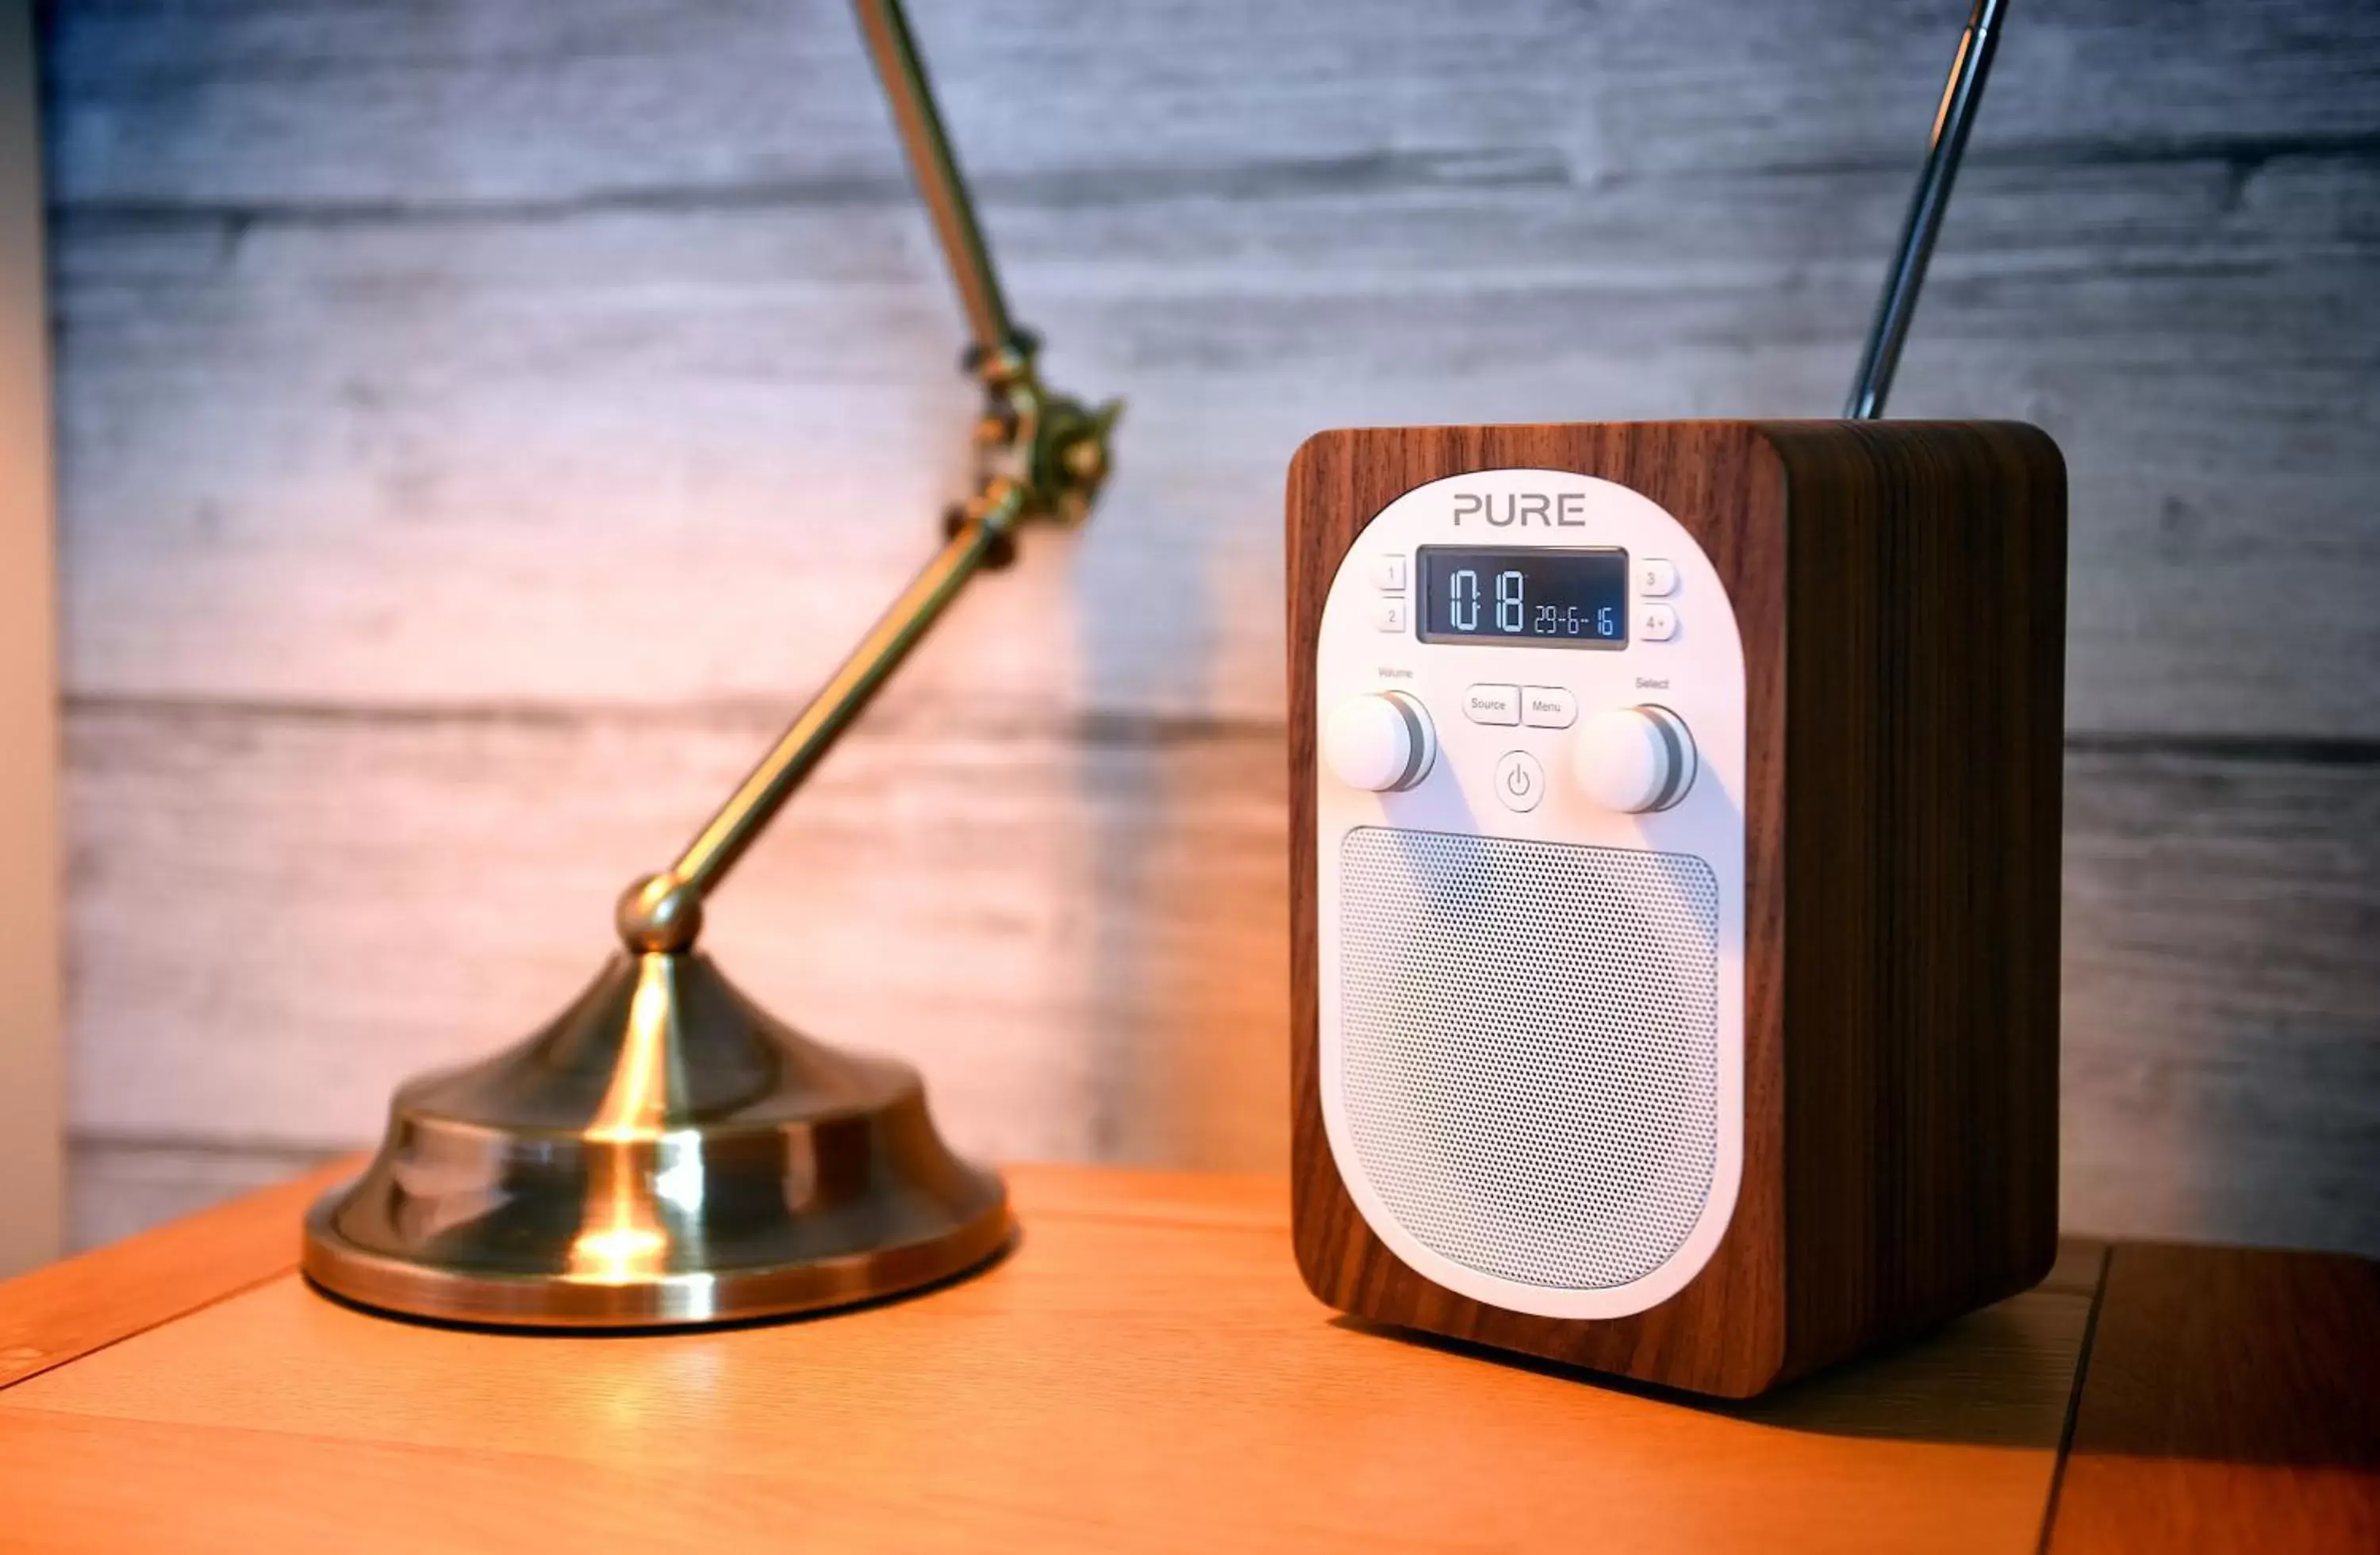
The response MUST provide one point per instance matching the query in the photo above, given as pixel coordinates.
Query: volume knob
(1380, 741)
(1635, 759)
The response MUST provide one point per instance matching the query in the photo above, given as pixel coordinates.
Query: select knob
(1634, 759)
(1380, 741)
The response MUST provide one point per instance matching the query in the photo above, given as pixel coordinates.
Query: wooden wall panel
(456, 457)
(465, 406)
(409, 105)
(1079, 932)
(2222, 1002)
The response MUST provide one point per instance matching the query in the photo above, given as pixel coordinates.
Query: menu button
(1549, 707)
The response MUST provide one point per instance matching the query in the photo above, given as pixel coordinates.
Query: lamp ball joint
(658, 913)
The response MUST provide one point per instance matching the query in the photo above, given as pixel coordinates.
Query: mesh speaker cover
(1529, 1044)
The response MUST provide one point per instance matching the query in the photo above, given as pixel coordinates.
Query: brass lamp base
(665, 1154)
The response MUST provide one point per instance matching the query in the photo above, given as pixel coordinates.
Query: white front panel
(1532, 1007)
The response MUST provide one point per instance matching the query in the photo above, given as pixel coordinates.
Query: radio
(1673, 866)
(1675, 883)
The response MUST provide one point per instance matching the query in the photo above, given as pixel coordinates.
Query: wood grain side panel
(1724, 1332)
(2230, 1402)
(1925, 724)
(68, 1309)
(1837, 649)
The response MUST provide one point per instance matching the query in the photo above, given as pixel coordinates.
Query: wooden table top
(1145, 1373)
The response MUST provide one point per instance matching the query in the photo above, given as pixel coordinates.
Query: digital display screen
(1549, 598)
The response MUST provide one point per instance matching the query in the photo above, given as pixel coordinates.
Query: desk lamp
(665, 1152)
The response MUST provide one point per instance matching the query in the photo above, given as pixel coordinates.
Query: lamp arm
(1962, 95)
(936, 169)
(663, 912)
(1040, 456)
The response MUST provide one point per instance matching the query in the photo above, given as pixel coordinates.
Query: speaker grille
(1530, 1049)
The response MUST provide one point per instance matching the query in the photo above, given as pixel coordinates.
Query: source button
(1493, 704)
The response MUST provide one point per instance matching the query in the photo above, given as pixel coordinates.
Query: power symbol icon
(1520, 782)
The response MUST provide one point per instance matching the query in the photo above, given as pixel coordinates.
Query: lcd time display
(1549, 598)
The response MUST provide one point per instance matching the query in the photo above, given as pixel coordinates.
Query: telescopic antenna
(1960, 97)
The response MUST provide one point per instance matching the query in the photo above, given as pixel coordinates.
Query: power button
(1520, 782)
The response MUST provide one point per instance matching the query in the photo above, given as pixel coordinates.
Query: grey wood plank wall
(479, 422)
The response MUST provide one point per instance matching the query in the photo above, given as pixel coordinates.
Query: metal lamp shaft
(721, 841)
(936, 169)
(1046, 456)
